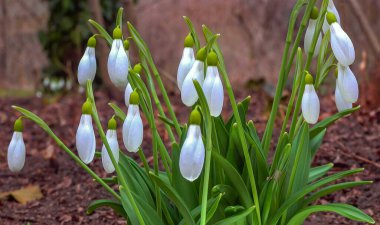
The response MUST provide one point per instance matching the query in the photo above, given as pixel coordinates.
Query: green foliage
(239, 184)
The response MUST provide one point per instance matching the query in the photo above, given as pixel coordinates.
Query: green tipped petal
(331, 18)
(189, 41)
(309, 79)
(117, 34)
(87, 107)
(134, 98)
(212, 59)
(195, 117)
(137, 68)
(314, 13)
(112, 124)
(91, 42)
(18, 126)
(201, 54)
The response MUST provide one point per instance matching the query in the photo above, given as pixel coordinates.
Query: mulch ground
(352, 142)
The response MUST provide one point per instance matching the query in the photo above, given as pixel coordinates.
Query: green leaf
(193, 33)
(236, 218)
(328, 121)
(306, 190)
(319, 171)
(118, 112)
(316, 142)
(102, 31)
(333, 188)
(119, 18)
(345, 210)
(236, 180)
(175, 197)
(115, 205)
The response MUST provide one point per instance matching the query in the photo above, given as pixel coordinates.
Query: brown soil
(67, 190)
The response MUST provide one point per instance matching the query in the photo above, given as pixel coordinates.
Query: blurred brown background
(252, 36)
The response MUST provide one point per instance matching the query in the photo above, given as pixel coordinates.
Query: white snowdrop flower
(330, 8)
(310, 102)
(114, 146)
(310, 33)
(189, 94)
(340, 102)
(128, 90)
(212, 86)
(133, 126)
(87, 64)
(85, 136)
(186, 62)
(341, 44)
(347, 84)
(192, 154)
(16, 148)
(118, 61)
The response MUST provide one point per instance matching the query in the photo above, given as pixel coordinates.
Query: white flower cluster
(346, 91)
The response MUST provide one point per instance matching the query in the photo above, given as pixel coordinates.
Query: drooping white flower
(133, 126)
(118, 61)
(16, 148)
(114, 146)
(128, 90)
(186, 62)
(341, 43)
(189, 94)
(330, 8)
(85, 136)
(310, 102)
(87, 64)
(192, 154)
(340, 102)
(212, 86)
(310, 33)
(347, 84)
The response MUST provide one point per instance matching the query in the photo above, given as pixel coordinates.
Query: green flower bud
(212, 59)
(91, 42)
(314, 13)
(117, 34)
(331, 18)
(18, 125)
(137, 68)
(126, 44)
(87, 107)
(309, 79)
(195, 117)
(201, 54)
(112, 124)
(189, 41)
(134, 98)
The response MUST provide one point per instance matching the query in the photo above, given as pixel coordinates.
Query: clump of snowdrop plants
(216, 169)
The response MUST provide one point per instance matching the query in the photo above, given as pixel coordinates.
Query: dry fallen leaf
(24, 195)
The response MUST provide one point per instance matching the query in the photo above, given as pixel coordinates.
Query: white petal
(118, 64)
(85, 139)
(213, 90)
(341, 104)
(87, 66)
(310, 104)
(192, 154)
(342, 45)
(127, 94)
(133, 129)
(309, 38)
(114, 145)
(330, 8)
(188, 93)
(347, 84)
(185, 65)
(16, 152)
